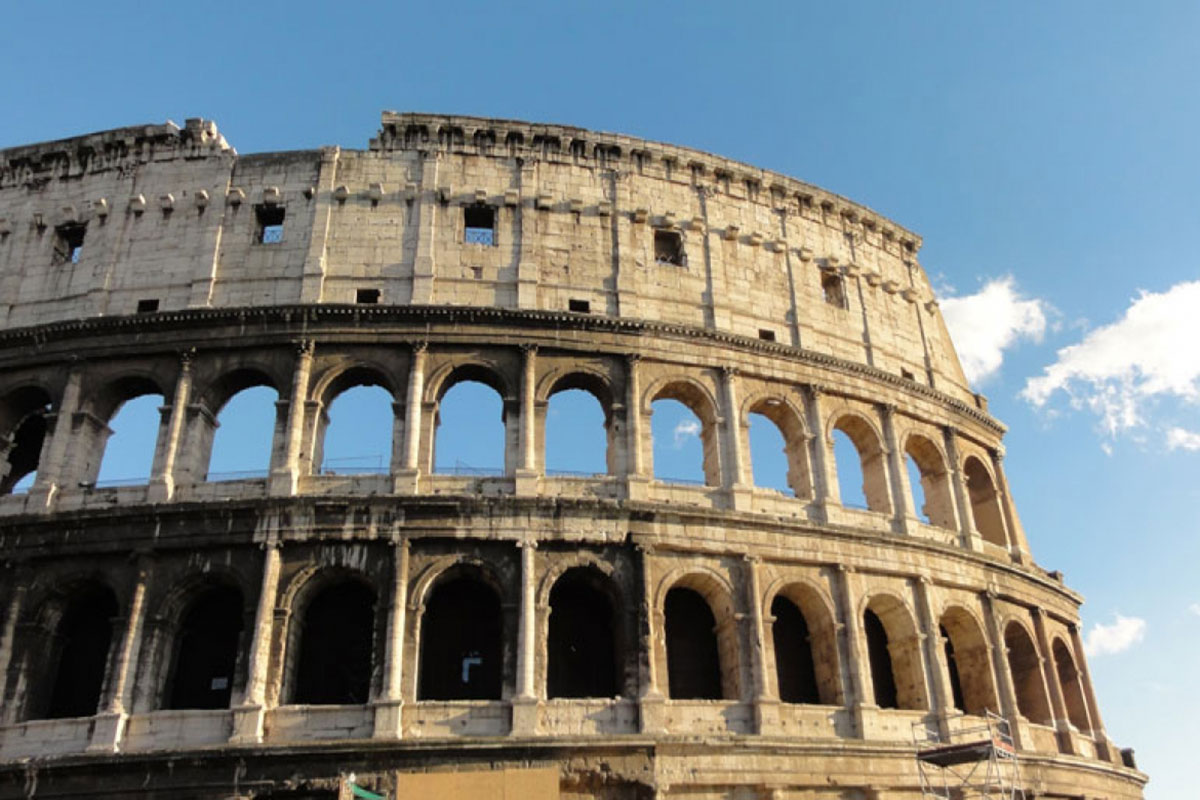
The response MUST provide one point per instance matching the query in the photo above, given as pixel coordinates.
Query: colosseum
(411, 631)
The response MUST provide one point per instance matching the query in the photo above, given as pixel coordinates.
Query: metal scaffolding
(968, 762)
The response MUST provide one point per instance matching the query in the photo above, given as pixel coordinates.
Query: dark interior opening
(206, 650)
(668, 248)
(582, 306)
(793, 654)
(269, 219)
(881, 661)
(367, 296)
(766, 334)
(955, 679)
(582, 652)
(26, 450)
(335, 646)
(833, 289)
(479, 224)
(81, 645)
(461, 654)
(693, 659)
(147, 306)
(68, 242)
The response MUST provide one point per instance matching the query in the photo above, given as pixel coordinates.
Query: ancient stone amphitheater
(523, 634)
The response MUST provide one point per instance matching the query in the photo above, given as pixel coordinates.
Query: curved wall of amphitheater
(747, 642)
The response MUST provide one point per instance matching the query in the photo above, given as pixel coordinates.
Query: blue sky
(1046, 152)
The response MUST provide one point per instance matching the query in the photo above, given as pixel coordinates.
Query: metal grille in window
(272, 234)
(484, 236)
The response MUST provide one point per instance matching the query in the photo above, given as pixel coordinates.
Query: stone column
(958, 489)
(109, 727)
(162, 483)
(824, 478)
(766, 704)
(1004, 679)
(52, 462)
(636, 478)
(735, 479)
(17, 580)
(1017, 543)
(527, 472)
(902, 512)
(937, 670)
(861, 691)
(525, 704)
(286, 477)
(408, 478)
(651, 703)
(1062, 723)
(389, 707)
(248, 714)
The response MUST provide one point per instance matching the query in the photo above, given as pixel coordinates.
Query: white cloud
(1122, 634)
(685, 429)
(1150, 353)
(1180, 439)
(985, 324)
(1195, 609)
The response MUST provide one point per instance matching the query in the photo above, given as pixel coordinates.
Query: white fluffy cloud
(1122, 634)
(1152, 352)
(985, 324)
(684, 430)
(1195, 609)
(1180, 439)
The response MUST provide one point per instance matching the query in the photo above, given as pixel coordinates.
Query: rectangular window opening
(766, 335)
(367, 296)
(582, 306)
(147, 306)
(480, 225)
(68, 242)
(834, 289)
(907, 375)
(668, 248)
(477, 273)
(269, 224)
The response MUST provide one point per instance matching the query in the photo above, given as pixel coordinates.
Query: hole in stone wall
(461, 642)
(206, 650)
(581, 651)
(1068, 678)
(479, 225)
(793, 653)
(129, 451)
(768, 454)
(580, 306)
(766, 334)
(849, 471)
(678, 447)
(470, 436)
(1026, 668)
(79, 654)
(693, 658)
(68, 243)
(366, 296)
(268, 224)
(358, 437)
(25, 452)
(985, 503)
(147, 306)
(833, 289)
(668, 248)
(337, 635)
(576, 434)
(956, 689)
(241, 444)
(880, 659)
(917, 487)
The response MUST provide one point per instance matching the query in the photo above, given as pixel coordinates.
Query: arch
(868, 443)
(1072, 687)
(700, 634)
(126, 446)
(1025, 666)
(935, 480)
(23, 419)
(445, 380)
(801, 649)
(108, 399)
(967, 661)
(217, 393)
(446, 376)
(577, 376)
(699, 401)
(571, 429)
(462, 637)
(239, 440)
(788, 418)
(894, 654)
(583, 641)
(333, 635)
(74, 661)
(985, 502)
(343, 377)
(206, 649)
(353, 412)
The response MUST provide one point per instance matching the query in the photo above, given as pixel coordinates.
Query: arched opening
(862, 464)
(471, 426)
(894, 654)
(245, 427)
(967, 660)
(693, 655)
(933, 500)
(336, 643)
(1026, 668)
(79, 654)
(461, 641)
(206, 649)
(24, 420)
(683, 427)
(985, 503)
(356, 432)
(793, 653)
(129, 449)
(779, 448)
(582, 651)
(578, 432)
(1072, 687)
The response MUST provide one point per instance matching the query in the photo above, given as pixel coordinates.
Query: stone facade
(532, 258)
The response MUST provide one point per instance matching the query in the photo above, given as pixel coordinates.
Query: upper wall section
(452, 210)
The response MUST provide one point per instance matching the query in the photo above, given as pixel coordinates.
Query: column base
(866, 718)
(741, 498)
(283, 483)
(160, 490)
(406, 481)
(389, 716)
(652, 713)
(525, 715)
(637, 487)
(526, 482)
(766, 715)
(41, 496)
(107, 732)
(248, 725)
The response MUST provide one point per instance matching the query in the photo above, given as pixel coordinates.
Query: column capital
(632, 358)
(730, 371)
(524, 543)
(419, 346)
(304, 347)
(186, 356)
(751, 558)
(529, 348)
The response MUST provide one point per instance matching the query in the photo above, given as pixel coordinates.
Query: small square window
(581, 306)
(668, 248)
(147, 306)
(480, 225)
(368, 296)
(834, 289)
(766, 334)
(907, 375)
(269, 224)
(477, 273)
(68, 243)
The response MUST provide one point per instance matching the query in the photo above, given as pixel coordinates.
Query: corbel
(891, 287)
(137, 203)
(755, 239)
(481, 195)
(270, 196)
(604, 208)
(640, 215)
(696, 224)
(851, 270)
(576, 205)
(234, 196)
(375, 192)
(909, 294)
(544, 201)
(100, 206)
(873, 278)
(341, 193)
(200, 199)
(5, 226)
(731, 233)
(443, 194)
(512, 197)
(166, 202)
